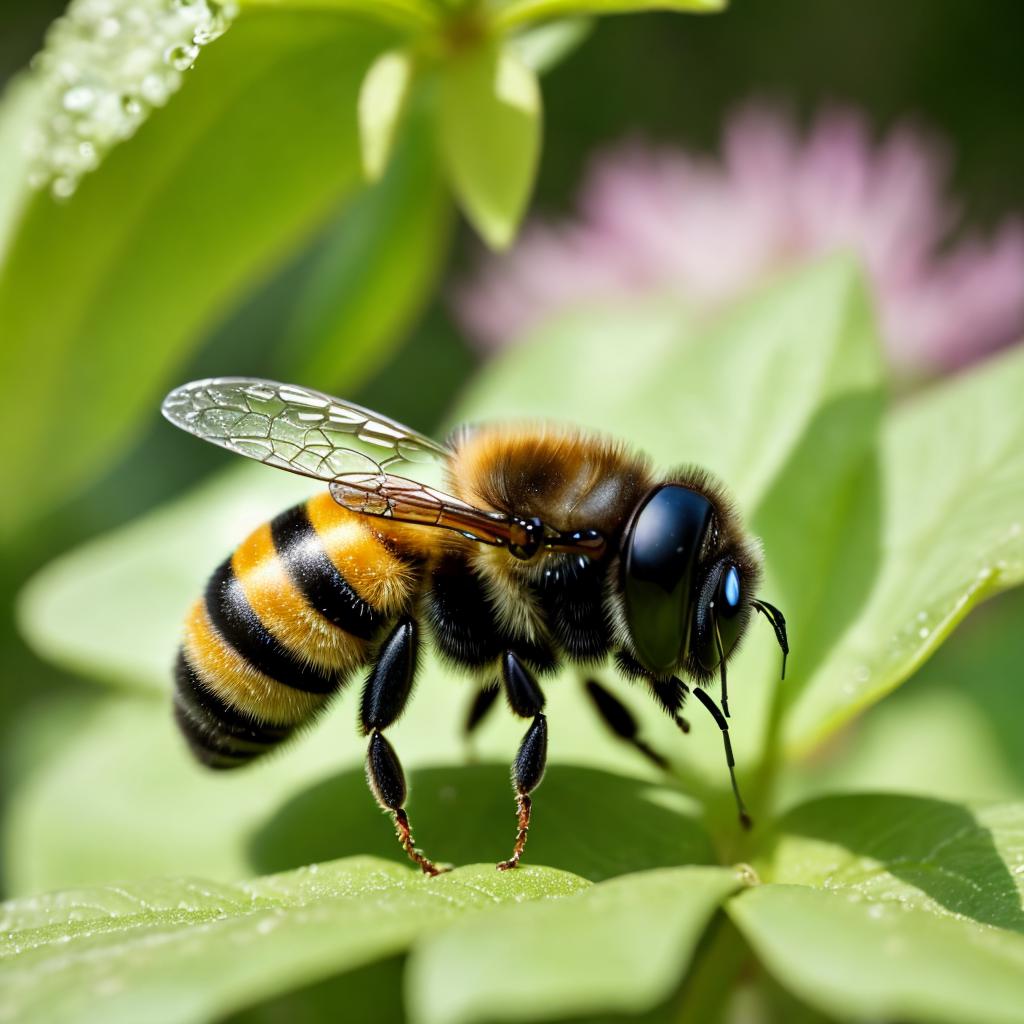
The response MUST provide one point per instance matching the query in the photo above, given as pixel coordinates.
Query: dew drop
(924, 632)
(79, 98)
(181, 57)
(105, 65)
(63, 187)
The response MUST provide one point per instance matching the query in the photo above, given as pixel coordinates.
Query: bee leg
(670, 692)
(384, 698)
(526, 700)
(620, 720)
(481, 706)
(719, 718)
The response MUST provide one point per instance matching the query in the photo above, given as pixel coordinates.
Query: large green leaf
(861, 960)
(490, 113)
(620, 947)
(193, 950)
(102, 296)
(952, 513)
(120, 769)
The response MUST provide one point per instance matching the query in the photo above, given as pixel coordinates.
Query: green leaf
(619, 947)
(513, 13)
(863, 960)
(193, 950)
(490, 137)
(103, 296)
(911, 851)
(951, 504)
(310, 802)
(382, 98)
(377, 272)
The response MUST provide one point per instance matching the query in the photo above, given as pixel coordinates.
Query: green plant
(883, 525)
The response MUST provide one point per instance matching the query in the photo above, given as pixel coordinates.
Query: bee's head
(688, 578)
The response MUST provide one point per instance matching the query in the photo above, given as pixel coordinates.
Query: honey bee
(552, 546)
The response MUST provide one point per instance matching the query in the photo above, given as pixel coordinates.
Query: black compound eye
(660, 554)
(721, 602)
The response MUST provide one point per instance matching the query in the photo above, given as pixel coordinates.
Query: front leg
(526, 700)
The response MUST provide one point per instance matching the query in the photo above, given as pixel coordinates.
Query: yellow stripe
(236, 682)
(376, 573)
(285, 612)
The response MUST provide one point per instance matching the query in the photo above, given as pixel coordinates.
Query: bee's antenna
(778, 621)
(721, 669)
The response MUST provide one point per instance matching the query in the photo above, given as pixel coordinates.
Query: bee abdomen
(219, 735)
(283, 624)
(237, 624)
(317, 578)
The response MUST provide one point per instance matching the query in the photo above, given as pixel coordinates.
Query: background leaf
(952, 494)
(376, 273)
(619, 947)
(209, 195)
(861, 960)
(193, 950)
(490, 137)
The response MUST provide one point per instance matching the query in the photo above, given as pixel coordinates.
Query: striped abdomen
(284, 622)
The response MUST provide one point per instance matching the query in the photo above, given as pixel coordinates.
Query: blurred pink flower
(667, 220)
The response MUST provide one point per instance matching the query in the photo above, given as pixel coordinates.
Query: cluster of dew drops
(106, 64)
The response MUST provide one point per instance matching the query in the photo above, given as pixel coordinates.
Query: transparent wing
(395, 497)
(296, 429)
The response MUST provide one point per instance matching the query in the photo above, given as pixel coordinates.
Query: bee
(549, 545)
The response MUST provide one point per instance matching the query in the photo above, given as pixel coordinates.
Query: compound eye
(661, 550)
(720, 605)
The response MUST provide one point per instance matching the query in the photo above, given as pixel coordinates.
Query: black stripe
(208, 748)
(238, 625)
(317, 577)
(218, 716)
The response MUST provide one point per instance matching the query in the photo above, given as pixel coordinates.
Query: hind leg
(527, 701)
(385, 697)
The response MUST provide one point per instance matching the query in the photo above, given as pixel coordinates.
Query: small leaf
(950, 501)
(547, 45)
(490, 137)
(382, 98)
(862, 960)
(620, 947)
(512, 13)
(195, 950)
